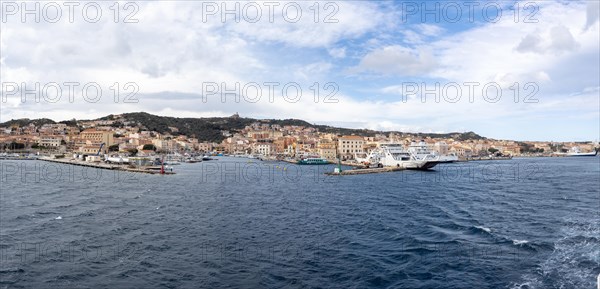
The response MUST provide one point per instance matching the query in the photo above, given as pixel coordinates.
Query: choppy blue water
(521, 223)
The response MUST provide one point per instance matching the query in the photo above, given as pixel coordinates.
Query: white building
(348, 146)
(441, 148)
(263, 149)
(49, 142)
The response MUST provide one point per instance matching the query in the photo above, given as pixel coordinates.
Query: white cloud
(412, 37)
(531, 43)
(593, 13)
(171, 52)
(342, 20)
(507, 80)
(397, 60)
(429, 29)
(337, 52)
(487, 52)
(167, 49)
(419, 33)
(562, 39)
(557, 39)
(313, 70)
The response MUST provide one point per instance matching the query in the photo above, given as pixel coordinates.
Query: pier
(18, 158)
(470, 159)
(98, 165)
(366, 171)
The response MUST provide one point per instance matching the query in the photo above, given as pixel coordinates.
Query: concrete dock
(344, 163)
(366, 171)
(100, 165)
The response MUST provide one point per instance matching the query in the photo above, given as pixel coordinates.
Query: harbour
(506, 230)
(334, 144)
(357, 167)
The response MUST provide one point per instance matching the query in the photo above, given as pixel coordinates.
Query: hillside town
(118, 136)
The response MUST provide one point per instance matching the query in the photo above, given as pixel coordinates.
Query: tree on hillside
(148, 147)
(113, 148)
(16, 146)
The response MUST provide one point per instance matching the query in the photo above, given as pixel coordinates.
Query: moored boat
(394, 155)
(576, 152)
(313, 161)
(421, 150)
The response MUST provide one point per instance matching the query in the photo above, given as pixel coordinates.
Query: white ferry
(576, 152)
(394, 155)
(421, 150)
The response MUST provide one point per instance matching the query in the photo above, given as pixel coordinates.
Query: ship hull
(312, 163)
(582, 154)
(411, 164)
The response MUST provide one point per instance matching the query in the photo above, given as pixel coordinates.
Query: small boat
(117, 159)
(313, 161)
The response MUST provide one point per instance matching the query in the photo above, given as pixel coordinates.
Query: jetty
(470, 159)
(18, 158)
(343, 163)
(366, 171)
(99, 165)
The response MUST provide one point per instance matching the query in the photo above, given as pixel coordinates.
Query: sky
(520, 70)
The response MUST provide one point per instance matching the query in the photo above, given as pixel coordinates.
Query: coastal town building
(327, 149)
(348, 146)
(50, 142)
(97, 136)
(264, 149)
(94, 141)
